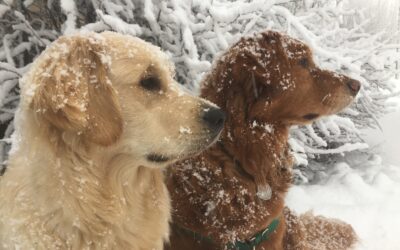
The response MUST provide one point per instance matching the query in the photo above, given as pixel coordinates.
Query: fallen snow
(386, 141)
(366, 196)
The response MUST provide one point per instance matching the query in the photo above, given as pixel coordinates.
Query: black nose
(354, 86)
(214, 118)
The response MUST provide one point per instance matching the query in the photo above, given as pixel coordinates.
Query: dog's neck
(88, 189)
(260, 147)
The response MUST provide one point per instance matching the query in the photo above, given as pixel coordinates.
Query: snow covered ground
(386, 142)
(366, 195)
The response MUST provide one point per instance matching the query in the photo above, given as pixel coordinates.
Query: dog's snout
(354, 86)
(214, 118)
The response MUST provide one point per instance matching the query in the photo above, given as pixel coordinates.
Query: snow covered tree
(195, 32)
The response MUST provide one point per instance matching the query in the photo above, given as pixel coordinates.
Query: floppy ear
(74, 93)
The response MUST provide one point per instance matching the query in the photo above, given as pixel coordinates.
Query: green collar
(257, 239)
(243, 245)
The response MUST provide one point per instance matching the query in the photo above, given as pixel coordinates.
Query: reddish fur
(258, 82)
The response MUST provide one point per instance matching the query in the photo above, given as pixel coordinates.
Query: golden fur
(234, 190)
(99, 118)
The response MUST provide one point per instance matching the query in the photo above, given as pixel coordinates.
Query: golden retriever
(232, 195)
(100, 117)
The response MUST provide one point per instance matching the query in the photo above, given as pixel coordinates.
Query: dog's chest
(136, 220)
(228, 205)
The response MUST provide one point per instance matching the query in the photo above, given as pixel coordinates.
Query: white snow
(3, 9)
(185, 130)
(118, 25)
(366, 196)
(264, 192)
(384, 14)
(27, 3)
(386, 141)
(69, 10)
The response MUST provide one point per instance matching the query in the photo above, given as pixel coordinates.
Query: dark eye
(304, 62)
(310, 116)
(151, 83)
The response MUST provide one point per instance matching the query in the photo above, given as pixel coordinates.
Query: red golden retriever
(232, 195)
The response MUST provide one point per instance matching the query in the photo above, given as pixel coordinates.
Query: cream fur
(78, 178)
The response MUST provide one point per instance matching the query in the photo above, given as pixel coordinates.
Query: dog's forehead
(124, 47)
(255, 46)
(294, 48)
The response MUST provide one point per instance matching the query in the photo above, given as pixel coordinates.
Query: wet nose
(354, 86)
(214, 118)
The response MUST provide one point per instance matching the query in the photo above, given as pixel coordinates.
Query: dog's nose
(354, 86)
(214, 118)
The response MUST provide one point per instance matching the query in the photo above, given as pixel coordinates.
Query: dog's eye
(151, 83)
(304, 62)
(310, 116)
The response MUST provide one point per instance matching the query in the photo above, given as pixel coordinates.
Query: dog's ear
(74, 93)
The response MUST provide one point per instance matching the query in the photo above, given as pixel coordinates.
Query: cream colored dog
(99, 118)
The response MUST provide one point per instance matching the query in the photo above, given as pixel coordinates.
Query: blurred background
(384, 17)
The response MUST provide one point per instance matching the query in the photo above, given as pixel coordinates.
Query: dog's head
(115, 90)
(279, 81)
